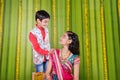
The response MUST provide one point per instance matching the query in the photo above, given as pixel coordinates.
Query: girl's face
(64, 40)
(43, 23)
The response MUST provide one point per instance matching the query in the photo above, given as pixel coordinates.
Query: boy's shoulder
(34, 29)
(46, 28)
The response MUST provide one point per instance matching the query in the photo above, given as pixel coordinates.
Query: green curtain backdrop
(97, 23)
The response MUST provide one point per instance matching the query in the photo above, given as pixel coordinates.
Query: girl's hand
(48, 77)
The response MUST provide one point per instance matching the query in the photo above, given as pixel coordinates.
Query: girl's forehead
(65, 34)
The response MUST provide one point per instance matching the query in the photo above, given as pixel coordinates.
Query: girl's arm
(76, 68)
(48, 71)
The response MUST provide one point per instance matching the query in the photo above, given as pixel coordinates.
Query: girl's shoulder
(74, 58)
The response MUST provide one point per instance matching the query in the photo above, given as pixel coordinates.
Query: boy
(39, 38)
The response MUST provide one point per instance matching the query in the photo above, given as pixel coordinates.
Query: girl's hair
(41, 14)
(74, 45)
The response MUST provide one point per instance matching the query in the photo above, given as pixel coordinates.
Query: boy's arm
(36, 46)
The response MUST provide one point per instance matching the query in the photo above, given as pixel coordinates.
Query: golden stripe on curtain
(103, 41)
(18, 40)
(87, 39)
(119, 8)
(54, 21)
(1, 15)
(36, 6)
(68, 14)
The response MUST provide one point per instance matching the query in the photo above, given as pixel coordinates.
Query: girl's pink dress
(62, 70)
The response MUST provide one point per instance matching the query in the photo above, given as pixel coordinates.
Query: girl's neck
(65, 50)
(65, 53)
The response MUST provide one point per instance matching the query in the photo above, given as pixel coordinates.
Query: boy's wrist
(46, 52)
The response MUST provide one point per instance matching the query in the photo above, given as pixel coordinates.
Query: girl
(63, 61)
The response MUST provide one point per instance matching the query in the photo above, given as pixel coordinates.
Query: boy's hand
(51, 51)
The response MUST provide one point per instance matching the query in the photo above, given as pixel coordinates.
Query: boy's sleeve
(36, 46)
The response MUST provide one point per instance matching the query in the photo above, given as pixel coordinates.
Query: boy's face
(43, 23)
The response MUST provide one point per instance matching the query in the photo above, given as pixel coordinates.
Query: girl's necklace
(63, 59)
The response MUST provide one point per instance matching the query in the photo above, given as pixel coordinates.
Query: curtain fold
(97, 23)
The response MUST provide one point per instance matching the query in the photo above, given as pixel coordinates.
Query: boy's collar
(41, 28)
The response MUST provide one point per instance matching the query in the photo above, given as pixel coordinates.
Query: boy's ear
(37, 20)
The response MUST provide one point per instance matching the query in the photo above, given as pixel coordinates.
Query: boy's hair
(41, 14)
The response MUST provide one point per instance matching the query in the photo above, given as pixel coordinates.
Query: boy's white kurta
(44, 44)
